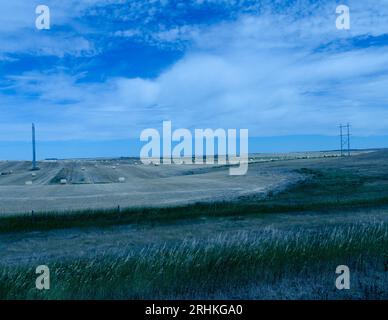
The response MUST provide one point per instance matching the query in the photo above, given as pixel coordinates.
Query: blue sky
(108, 69)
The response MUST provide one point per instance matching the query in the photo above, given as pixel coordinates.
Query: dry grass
(221, 267)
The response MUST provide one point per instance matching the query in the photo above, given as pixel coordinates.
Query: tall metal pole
(348, 127)
(33, 148)
(341, 135)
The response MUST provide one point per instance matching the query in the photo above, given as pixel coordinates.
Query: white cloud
(261, 72)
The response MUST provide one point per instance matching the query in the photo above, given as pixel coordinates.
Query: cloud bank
(276, 70)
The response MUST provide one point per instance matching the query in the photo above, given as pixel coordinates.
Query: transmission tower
(345, 140)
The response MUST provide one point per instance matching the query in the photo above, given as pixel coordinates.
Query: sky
(108, 69)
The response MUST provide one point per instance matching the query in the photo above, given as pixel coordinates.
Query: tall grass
(220, 266)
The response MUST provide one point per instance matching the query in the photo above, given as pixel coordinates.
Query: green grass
(329, 187)
(242, 266)
(326, 189)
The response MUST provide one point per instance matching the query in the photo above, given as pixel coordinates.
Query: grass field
(243, 266)
(284, 246)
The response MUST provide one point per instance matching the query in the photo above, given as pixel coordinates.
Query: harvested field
(92, 184)
(63, 185)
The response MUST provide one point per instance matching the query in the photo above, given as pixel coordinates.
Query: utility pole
(348, 127)
(341, 143)
(33, 149)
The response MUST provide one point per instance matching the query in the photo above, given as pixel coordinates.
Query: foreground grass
(244, 266)
(327, 189)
